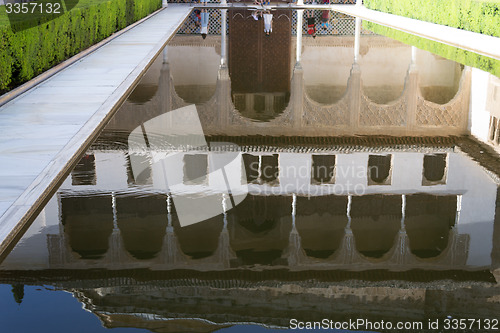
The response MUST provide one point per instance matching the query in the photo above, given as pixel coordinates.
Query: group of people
(202, 18)
(266, 16)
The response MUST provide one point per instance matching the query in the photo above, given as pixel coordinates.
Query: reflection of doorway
(259, 65)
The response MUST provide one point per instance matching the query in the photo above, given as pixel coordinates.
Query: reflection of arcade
(370, 229)
(259, 65)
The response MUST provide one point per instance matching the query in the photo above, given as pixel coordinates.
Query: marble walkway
(44, 130)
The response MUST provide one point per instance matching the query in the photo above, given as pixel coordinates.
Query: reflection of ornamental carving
(207, 114)
(303, 116)
(326, 115)
(373, 114)
(432, 114)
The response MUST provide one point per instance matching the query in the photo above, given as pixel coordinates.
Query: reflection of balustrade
(353, 114)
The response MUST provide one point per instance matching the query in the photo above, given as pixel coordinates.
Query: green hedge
(445, 51)
(473, 15)
(27, 53)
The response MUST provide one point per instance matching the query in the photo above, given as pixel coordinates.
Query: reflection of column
(347, 254)
(297, 95)
(413, 55)
(349, 205)
(357, 35)
(403, 210)
(224, 209)
(171, 253)
(411, 89)
(169, 212)
(355, 80)
(401, 253)
(223, 93)
(115, 251)
(225, 253)
(355, 96)
(298, 45)
(294, 252)
(223, 44)
(115, 213)
(165, 86)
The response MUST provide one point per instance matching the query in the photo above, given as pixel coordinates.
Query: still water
(250, 183)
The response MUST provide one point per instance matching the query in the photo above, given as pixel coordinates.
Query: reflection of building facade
(314, 207)
(330, 208)
(353, 113)
(299, 222)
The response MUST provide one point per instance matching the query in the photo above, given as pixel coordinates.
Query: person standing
(204, 23)
(325, 19)
(311, 23)
(268, 22)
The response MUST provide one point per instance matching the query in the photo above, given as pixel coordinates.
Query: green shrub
(472, 15)
(449, 52)
(30, 51)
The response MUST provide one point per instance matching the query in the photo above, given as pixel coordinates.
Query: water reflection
(322, 209)
(362, 215)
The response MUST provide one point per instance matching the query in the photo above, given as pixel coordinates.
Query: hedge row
(27, 53)
(472, 15)
(445, 51)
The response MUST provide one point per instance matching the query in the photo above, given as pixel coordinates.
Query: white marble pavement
(45, 129)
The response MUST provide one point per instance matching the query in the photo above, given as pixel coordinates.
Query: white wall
(479, 120)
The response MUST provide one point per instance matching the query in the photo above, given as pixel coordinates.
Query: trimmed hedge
(449, 52)
(472, 15)
(27, 53)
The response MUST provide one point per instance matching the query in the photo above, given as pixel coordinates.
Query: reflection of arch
(327, 65)
(88, 222)
(142, 223)
(195, 94)
(376, 219)
(326, 94)
(259, 228)
(320, 222)
(432, 114)
(384, 77)
(193, 65)
(147, 88)
(199, 240)
(384, 94)
(432, 90)
(428, 221)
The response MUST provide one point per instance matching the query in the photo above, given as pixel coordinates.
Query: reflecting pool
(251, 182)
